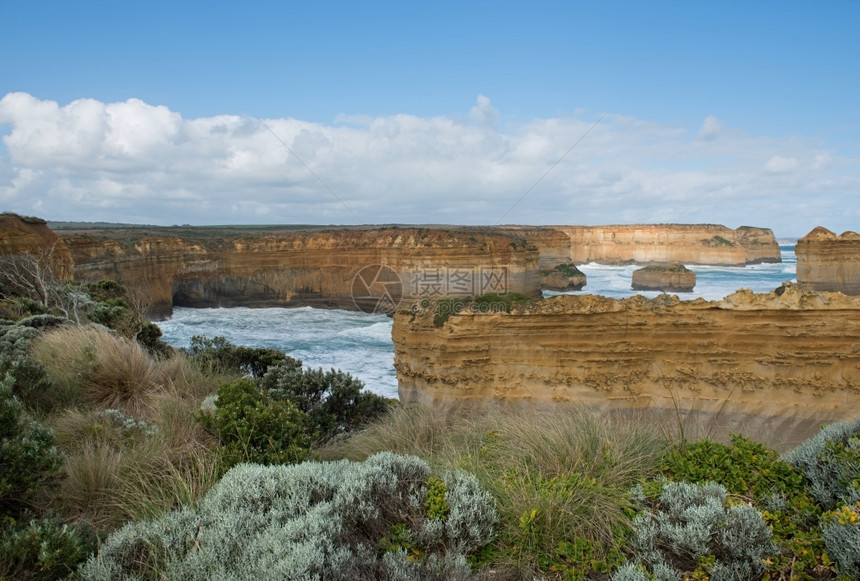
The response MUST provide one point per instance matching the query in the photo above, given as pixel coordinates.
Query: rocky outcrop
(368, 268)
(21, 235)
(784, 360)
(667, 243)
(829, 262)
(563, 277)
(674, 278)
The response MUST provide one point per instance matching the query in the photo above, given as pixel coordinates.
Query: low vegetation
(123, 458)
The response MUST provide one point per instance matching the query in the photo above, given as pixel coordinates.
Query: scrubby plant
(830, 462)
(223, 356)
(28, 457)
(694, 529)
(560, 478)
(757, 474)
(308, 521)
(841, 531)
(43, 548)
(253, 427)
(334, 401)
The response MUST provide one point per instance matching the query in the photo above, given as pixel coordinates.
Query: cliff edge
(783, 360)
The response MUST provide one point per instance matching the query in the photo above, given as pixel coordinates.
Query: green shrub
(308, 521)
(43, 548)
(334, 401)
(27, 376)
(830, 462)
(252, 427)
(27, 455)
(225, 357)
(752, 471)
(693, 529)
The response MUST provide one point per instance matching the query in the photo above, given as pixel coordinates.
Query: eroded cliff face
(667, 243)
(31, 236)
(780, 360)
(829, 262)
(208, 267)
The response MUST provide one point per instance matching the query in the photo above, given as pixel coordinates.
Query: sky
(613, 112)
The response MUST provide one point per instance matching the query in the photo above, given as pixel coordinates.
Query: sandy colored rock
(667, 243)
(25, 235)
(268, 266)
(563, 277)
(829, 262)
(672, 278)
(783, 361)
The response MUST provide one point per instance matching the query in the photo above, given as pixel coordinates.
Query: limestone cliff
(779, 360)
(21, 235)
(666, 243)
(372, 268)
(674, 278)
(829, 262)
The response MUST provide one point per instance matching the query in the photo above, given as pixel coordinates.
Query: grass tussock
(119, 468)
(125, 421)
(556, 474)
(94, 368)
(97, 368)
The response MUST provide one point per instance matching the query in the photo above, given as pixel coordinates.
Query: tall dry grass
(556, 474)
(125, 421)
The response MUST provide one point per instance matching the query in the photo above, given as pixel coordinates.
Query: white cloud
(710, 128)
(135, 162)
(779, 164)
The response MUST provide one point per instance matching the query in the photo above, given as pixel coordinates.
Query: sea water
(360, 343)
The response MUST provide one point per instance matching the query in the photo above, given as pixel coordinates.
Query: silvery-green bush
(309, 521)
(692, 522)
(830, 461)
(841, 532)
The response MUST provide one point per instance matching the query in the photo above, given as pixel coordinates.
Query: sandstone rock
(335, 267)
(31, 236)
(672, 278)
(667, 243)
(829, 262)
(780, 362)
(563, 277)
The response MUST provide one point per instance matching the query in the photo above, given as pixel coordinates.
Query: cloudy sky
(738, 113)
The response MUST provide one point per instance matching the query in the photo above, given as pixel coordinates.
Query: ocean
(360, 343)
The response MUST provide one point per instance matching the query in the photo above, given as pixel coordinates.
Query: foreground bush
(560, 478)
(385, 518)
(693, 529)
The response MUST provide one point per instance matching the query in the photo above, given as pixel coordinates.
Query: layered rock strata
(829, 262)
(785, 360)
(368, 268)
(675, 278)
(667, 243)
(24, 236)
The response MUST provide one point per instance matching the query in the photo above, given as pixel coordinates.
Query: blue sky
(742, 113)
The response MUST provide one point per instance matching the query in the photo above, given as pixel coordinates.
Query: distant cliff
(20, 235)
(784, 358)
(667, 243)
(829, 262)
(370, 268)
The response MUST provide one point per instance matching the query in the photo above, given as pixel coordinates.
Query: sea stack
(674, 277)
(564, 277)
(827, 262)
